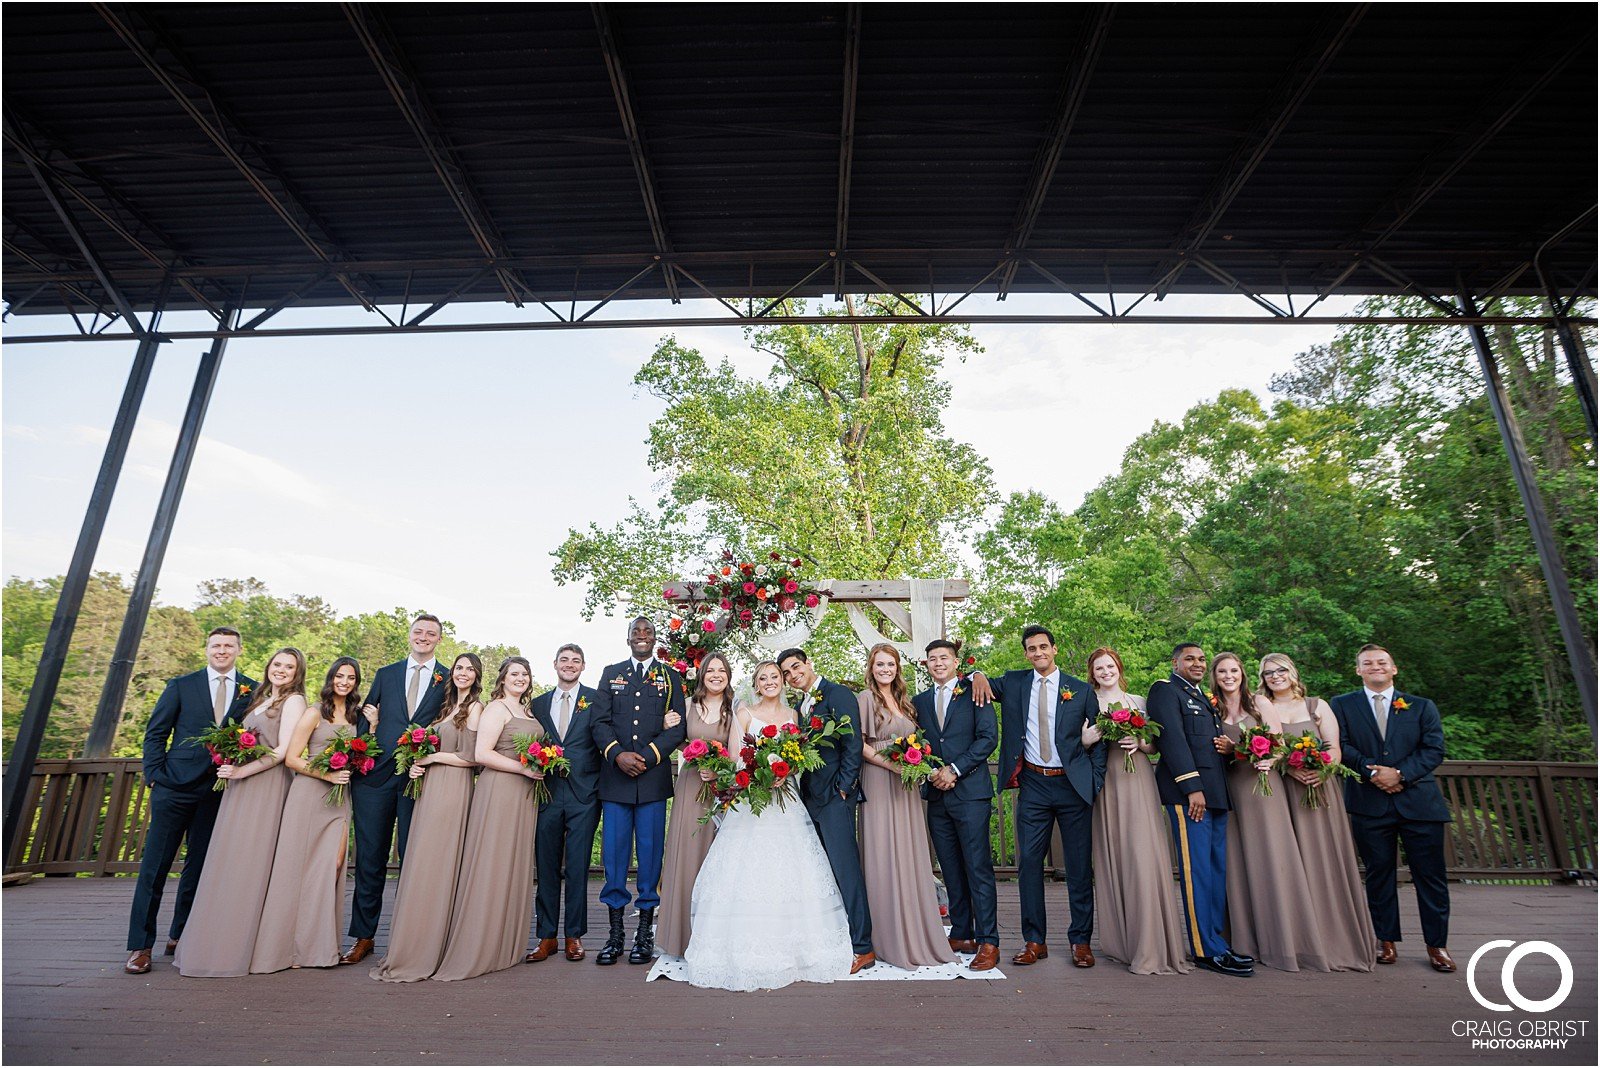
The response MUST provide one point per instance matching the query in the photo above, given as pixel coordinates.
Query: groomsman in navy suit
(1043, 758)
(1394, 740)
(180, 774)
(959, 797)
(405, 694)
(1191, 779)
(564, 840)
(832, 792)
(642, 725)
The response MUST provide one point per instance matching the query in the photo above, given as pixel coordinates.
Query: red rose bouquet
(230, 743)
(1119, 721)
(1308, 752)
(772, 760)
(703, 755)
(1255, 745)
(356, 754)
(412, 746)
(912, 756)
(550, 759)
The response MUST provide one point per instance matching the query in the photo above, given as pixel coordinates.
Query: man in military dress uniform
(1191, 778)
(636, 734)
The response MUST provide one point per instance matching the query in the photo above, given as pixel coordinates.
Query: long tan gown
(1136, 909)
(493, 906)
(1269, 913)
(305, 897)
(1338, 895)
(688, 842)
(896, 860)
(221, 934)
(427, 890)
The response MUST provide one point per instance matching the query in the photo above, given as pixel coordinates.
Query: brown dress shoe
(358, 952)
(545, 947)
(988, 956)
(1082, 955)
(138, 962)
(575, 949)
(1032, 953)
(863, 960)
(172, 946)
(1386, 953)
(964, 945)
(1439, 957)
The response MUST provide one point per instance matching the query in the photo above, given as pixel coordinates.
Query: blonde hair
(1296, 687)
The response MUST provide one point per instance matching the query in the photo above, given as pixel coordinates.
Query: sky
(438, 472)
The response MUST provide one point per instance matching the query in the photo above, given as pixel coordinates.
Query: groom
(832, 792)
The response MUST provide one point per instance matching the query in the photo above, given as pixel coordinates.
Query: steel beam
(1579, 654)
(636, 146)
(1582, 371)
(114, 691)
(847, 143)
(53, 658)
(1080, 69)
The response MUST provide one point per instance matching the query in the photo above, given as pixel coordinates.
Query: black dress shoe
(1239, 960)
(1223, 966)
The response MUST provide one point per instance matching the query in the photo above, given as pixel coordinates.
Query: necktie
(413, 689)
(944, 703)
(566, 714)
(1380, 710)
(219, 707)
(1045, 752)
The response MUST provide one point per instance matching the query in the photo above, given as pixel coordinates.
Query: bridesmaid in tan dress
(896, 860)
(710, 715)
(493, 906)
(1268, 899)
(305, 895)
(422, 905)
(1135, 907)
(1338, 895)
(220, 937)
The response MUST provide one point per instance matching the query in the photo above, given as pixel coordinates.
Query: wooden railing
(1512, 820)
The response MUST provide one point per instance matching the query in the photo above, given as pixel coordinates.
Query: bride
(766, 911)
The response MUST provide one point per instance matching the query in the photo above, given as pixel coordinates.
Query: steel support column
(108, 714)
(1583, 376)
(1579, 655)
(42, 696)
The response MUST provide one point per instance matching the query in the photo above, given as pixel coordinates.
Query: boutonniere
(1066, 695)
(1214, 702)
(583, 703)
(958, 691)
(816, 695)
(244, 691)
(656, 679)
(438, 677)
(1400, 704)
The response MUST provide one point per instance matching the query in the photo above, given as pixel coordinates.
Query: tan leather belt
(1043, 771)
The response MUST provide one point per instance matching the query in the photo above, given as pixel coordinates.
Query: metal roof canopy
(399, 158)
(163, 157)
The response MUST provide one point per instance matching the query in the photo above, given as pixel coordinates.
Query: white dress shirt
(1388, 700)
(212, 675)
(942, 692)
(1030, 742)
(572, 705)
(428, 666)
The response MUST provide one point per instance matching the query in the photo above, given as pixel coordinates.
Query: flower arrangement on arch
(759, 594)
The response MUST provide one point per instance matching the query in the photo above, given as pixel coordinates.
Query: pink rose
(1327, 758)
(708, 625)
(1297, 759)
(248, 739)
(745, 615)
(786, 604)
(791, 586)
(811, 600)
(216, 758)
(1261, 745)
(1120, 715)
(419, 736)
(367, 764)
(337, 761)
(913, 756)
(749, 587)
(696, 749)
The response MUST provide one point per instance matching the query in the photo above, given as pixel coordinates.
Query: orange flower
(761, 593)
(1400, 704)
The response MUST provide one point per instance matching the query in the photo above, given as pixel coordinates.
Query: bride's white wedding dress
(766, 911)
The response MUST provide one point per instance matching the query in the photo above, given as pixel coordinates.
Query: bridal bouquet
(343, 752)
(1119, 721)
(230, 743)
(1257, 744)
(1309, 752)
(550, 759)
(912, 756)
(412, 746)
(702, 755)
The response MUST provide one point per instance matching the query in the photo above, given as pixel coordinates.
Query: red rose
(727, 554)
(811, 600)
(433, 739)
(775, 556)
(816, 723)
(745, 616)
(216, 758)
(971, 660)
(726, 604)
(769, 731)
(791, 586)
(742, 779)
(662, 652)
(711, 578)
(1136, 720)
(772, 617)
(747, 754)
(780, 768)
(795, 562)
(786, 604)
(744, 624)
(748, 569)
(749, 588)
(359, 745)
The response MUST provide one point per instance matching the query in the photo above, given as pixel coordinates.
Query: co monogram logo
(1508, 976)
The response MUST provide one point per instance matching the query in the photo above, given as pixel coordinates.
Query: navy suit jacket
(1085, 768)
(1414, 747)
(965, 742)
(388, 694)
(182, 711)
(632, 721)
(583, 781)
(841, 762)
(1187, 744)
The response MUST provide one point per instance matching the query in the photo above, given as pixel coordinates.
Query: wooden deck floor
(66, 1001)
